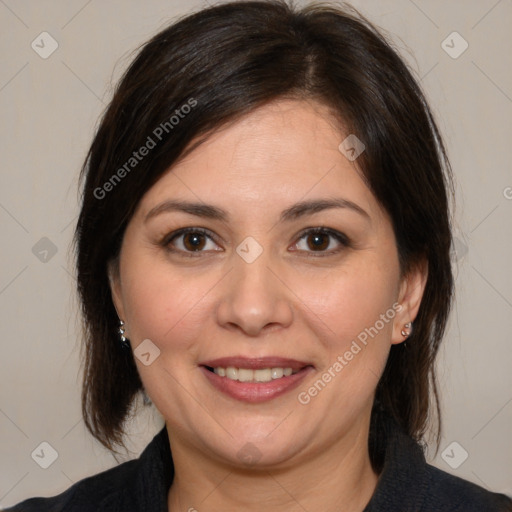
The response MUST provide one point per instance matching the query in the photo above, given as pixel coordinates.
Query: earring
(406, 331)
(145, 398)
(121, 331)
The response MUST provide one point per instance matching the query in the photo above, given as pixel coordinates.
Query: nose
(254, 299)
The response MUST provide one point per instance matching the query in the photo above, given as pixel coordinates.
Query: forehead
(279, 154)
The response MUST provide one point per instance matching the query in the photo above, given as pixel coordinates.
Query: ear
(410, 294)
(115, 287)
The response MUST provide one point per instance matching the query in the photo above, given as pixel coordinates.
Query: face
(263, 253)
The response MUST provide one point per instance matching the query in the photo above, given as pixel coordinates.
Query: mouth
(255, 380)
(248, 375)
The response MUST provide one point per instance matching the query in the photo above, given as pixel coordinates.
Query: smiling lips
(256, 379)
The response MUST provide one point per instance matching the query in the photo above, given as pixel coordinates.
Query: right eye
(190, 240)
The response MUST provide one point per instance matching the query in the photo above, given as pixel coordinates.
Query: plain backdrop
(49, 109)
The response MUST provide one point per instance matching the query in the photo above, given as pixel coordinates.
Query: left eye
(321, 240)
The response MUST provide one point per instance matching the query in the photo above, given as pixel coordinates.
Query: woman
(264, 251)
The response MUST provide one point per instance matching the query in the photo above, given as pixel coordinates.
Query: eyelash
(339, 237)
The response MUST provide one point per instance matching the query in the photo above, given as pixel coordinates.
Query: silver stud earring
(145, 398)
(122, 337)
(406, 331)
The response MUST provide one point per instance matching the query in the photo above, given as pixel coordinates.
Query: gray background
(49, 109)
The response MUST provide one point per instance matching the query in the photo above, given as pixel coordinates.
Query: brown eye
(190, 240)
(323, 241)
(194, 241)
(318, 241)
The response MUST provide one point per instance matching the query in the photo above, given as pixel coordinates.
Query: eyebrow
(292, 213)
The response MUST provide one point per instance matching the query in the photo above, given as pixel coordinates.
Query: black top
(406, 484)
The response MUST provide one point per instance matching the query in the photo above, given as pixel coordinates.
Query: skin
(294, 300)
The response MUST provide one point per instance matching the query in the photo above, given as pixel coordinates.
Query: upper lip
(255, 363)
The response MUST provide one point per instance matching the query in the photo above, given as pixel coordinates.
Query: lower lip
(256, 392)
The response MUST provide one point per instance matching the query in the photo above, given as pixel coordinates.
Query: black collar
(403, 468)
(406, 482)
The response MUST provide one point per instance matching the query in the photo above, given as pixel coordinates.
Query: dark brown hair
(224, 62)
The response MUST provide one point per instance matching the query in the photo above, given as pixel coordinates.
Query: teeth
(245, 375)
(232, 373)
(249, 375)
(277, 373)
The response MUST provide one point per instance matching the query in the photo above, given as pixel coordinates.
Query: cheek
(352, 298)
(357, 307)
(164, 304)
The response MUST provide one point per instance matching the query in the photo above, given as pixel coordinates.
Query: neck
(337, 479)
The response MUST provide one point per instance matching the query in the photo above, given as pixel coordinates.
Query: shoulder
(94, 493)
(136, 485)
(449, 492)
(408, 483)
